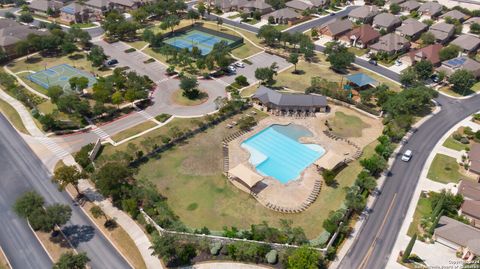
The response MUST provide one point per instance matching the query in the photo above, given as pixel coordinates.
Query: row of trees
(298, 42)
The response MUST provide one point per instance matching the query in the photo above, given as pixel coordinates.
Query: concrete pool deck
(295, 193)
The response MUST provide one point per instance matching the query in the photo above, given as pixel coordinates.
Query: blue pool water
(276, 152)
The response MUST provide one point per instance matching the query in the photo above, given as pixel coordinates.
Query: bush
(464, 140)
(215, 248)
(163, 117)
(151, 60)
(272, 256)
(247, 123)
(130, 50)
(329, 177)
(457, 136)
(476, 117)
(241, 80)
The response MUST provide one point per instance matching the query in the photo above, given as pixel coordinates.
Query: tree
(171, 21)
(65, 175)
(58, 214)
(219, 22)
(462, 80)
(68, 47)
(201, 8)
(139, 15)
(246, 123)
(113, 179)
(97, 212)
(408, 250)
(375, 164)
(354, 199)
(164, 246)
(293, 59)
(265, 74)
(189, 87)
(435, 222)
(449, 52)
(395, 8)
(241, 80)
(339, 56)
(54, 92)
(408, 76)
(475, 28)
(193, 15)
(117, 98)
(9, 15)
(334, 218)
(26, 17)
(303, 258)
(269, 34)
(96, 56)
(244, 16)
(366, 181)
(423, 69)
(70, 260)
(427, 38)
(28, 203)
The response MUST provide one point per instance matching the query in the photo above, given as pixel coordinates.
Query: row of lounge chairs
(309, 201)
(296, 114)
(358, 151)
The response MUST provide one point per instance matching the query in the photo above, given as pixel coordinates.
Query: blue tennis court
(59, 76)
(195, 38)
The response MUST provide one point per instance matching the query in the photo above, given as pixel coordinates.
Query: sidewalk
(132, 228)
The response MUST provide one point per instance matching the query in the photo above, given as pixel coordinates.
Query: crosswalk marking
(145, 114)
(53, 147)
(101, 133)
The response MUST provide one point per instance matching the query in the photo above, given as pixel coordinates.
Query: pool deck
(294, 193)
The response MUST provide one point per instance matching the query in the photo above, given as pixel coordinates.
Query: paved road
(375, 242)
(22, 171)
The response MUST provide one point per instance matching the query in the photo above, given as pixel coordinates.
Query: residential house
(449, 67)
(468, 43)
(470, 208)
(442, 31)
(474, 157)
(398, 2)
(432, 9)
(302, 5)
(468, 4)
(472, 20)
(456, 15)
(411, 28)
(391, 44)
(429, 53)
(240, 5)
(363, 14)
(44, 7)
(74, 13)
(99, 7)
(409, 6)
(284, 16)
(12, 32)
(458, 236)
(361, 37)
(386, 21)
(336, 28)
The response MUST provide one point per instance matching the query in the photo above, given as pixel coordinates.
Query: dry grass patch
(56, 246)
(347, 125)
(3, 260)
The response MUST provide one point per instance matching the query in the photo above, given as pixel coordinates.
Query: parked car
(407, 155)
(373, 62)
(231, 69)
(435, 78)
(240, 64)
(111, 62)
(398, 63)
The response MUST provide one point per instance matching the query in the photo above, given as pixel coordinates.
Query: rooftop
(469, 189)
(361, 80)
(431, 8)
(411, 27)
(284, 13)
(459, 233)
(429, 53)
(455, 14)
(386, 20)
(442, 30)
(364, 12)
(467, 42)
(267, 95)
(12, 32)
(390, 42)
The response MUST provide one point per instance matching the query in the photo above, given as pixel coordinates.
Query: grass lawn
(178, 98)
(347, 125)
(299, 82)
(475, 88)
(454, 144)
(121, 239)
(252, 21)
(84, 25)
(133, 131)
(444, 169)
(424, 208)
(234, 16)
(33, 85)
(281, 27)
(357, 51)
(199, 193)
(250, 90)
(12, 115)
(137, 44)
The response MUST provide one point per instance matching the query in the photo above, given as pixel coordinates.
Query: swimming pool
(276, 152)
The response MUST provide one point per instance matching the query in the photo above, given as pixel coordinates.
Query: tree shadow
(298, 72)
(78, 234)
(76, 56)
(33, 60)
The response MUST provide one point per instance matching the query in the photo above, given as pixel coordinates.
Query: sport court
(195, 38)
(59, 76)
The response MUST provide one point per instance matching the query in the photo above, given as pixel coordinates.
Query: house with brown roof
(458, 236)
(44, 7)
(12, 32)
(429, 53)
(391, 44)
(284, 16)
(409, 6)
(449, 67)
(336, 29)
(99, 7)
(442, 31)
(411, 28)
(468, 43)
(386, 21)
(363, 14)
(361, 37)
(432, 9)
(74, 13)
(474, 157)
(456, 15)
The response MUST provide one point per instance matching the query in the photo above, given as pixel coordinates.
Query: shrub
(476, 117)
(457, 136)
(328, 177)
(241, 80)
(464, 140)
(215, 248)
(163, 117)
(272, 256)
(130, 50)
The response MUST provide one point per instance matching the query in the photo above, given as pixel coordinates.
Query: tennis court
(196, 38)
(59, 76)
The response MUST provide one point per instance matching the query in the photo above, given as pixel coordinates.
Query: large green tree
(70, 260)
(462, 81)
(96, 56)
(189, 86)
(65, 175)
(339, 56)
(28, 203)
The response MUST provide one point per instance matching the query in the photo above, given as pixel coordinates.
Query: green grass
(423, 209)
(84, 25)
(201, 196)
(281, 27)
(138, 44)
(347, 125)
(12, 115)
(444, 169)
(357, 51)
(234, 16)
(454, 144)
(180, 99)
(250, 90)
(133, 130)
(163, 117)
(252, 21)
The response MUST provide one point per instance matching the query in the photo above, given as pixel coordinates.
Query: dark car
(111, 62)
(373, 62)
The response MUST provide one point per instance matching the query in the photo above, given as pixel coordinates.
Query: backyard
(444, 169)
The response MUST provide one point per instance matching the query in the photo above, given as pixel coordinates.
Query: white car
(407, 155)
(240, 64)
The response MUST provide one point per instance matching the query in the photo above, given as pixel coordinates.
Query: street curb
(6, 258)
(40, 241)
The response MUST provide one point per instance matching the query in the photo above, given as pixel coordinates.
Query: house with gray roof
(396, 2)
(284, 16)
(386, 21)
(74, 13)
(458, 236)
(411, 28)
(41, 7)
(363, 14)
(442, 31)
(465, 63)
(336, 28)
(468, 43)
(409, 6)
(12, 32)
(456, 15)
(99, 7)
(302, 5)
(276, 101)
(472, 20)
(470, 190)
(432, 9)
(240, 5)
(391, 44)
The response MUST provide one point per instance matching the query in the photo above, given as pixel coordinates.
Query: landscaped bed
(180, 99)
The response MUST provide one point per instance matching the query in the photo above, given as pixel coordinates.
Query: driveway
(134, 60)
